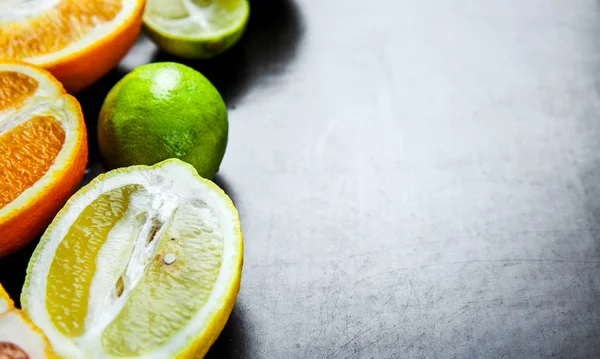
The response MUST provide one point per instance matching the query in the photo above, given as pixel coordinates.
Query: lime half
(196, 28)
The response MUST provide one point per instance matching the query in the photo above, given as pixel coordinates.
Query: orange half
(19, 337)
(79, 41)
(43, 151)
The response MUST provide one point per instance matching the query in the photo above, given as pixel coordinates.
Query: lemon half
(143, 262)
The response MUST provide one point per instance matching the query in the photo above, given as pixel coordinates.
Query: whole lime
(160, 111)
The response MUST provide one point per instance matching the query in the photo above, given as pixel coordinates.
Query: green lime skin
(160, 111)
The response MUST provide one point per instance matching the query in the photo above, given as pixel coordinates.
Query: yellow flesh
(177, 290)
(167, 296)
(74, 264)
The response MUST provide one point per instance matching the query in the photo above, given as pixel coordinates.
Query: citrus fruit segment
(19, 338)
(77, 40)
(43, 151)
(31, 145)
(143, 262)
(196, 28)
(15, 88)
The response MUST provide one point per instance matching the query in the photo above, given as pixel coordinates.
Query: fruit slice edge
(28, 150)
(187, 20)
(78, 41)
(17, 334)
(193, 31)
(203, 325)
(42, 191)
(45, 34)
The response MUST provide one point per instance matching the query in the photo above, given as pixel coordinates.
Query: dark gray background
(415, 178)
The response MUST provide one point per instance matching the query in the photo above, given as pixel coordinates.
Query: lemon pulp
(178, 289)
(74, 265)
(132, 271)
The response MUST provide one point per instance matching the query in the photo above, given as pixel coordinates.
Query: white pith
(14, 329)
(4, 305)
(11, 12)
(196, 14)
(169, 186)
(46, 100)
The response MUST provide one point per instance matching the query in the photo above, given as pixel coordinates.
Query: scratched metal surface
(415, 178)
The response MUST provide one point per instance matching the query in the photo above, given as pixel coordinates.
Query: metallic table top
(415, 179)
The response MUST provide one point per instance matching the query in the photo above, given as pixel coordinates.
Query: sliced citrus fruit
(143, 262)
(19, 338)
(43, 151)
(196, 28)
(77, 40)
